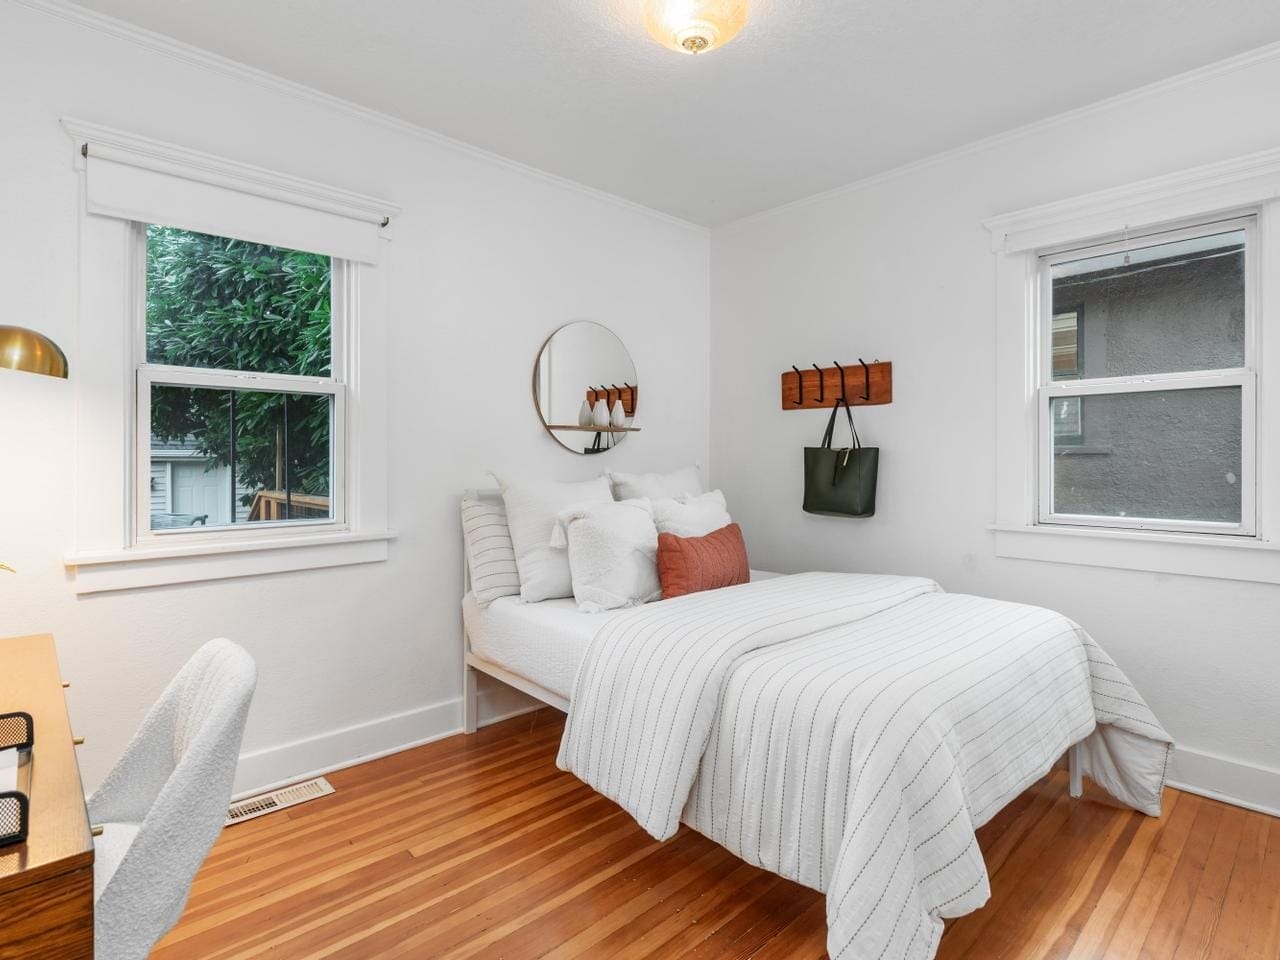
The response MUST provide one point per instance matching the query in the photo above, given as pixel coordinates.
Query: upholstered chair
(164, 804)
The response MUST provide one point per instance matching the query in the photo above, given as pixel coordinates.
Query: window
(1146, 400)
(240, 397)
(231, 350)
(1160, 450)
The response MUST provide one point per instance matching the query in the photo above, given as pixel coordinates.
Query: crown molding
(215, 63)
(1202, 74)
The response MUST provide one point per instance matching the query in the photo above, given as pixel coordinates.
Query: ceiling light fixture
(694, 26)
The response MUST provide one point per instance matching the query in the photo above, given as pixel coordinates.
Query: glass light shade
(694, 26)
(23, 349)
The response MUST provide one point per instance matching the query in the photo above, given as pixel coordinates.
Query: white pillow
(613, 554)
(655, 486)
(491, 559)
(692, 516)
(531, 516)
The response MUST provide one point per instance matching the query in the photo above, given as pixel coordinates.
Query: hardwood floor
(479, 847)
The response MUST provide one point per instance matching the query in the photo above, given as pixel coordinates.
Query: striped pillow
(693, 564)
(490, 557)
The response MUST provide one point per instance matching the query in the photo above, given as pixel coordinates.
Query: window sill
(102, 572)
(1187, 554)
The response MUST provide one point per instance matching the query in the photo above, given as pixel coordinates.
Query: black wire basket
(17, 732)
(15, 812)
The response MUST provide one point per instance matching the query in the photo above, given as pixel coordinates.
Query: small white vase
(584, 414)
(600, 414)
(619, 418)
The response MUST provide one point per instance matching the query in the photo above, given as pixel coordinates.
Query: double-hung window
(229, 368)
(240, 393)
(1146, 402)
(1137, 377)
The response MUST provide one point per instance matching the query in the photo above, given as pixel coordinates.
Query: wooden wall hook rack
(820, 387)
(611, 393)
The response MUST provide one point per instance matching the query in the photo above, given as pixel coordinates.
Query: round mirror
(584, 386)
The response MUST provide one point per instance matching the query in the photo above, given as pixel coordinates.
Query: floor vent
(265, 803)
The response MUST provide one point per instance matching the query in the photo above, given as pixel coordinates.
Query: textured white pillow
(694, 516)
(613, 554)
(655, 486)
(531, 516)
(491, 559)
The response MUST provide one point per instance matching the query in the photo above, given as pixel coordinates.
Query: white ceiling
(813, 94)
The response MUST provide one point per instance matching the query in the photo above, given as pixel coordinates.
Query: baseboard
(278, 766)
(1231, 781)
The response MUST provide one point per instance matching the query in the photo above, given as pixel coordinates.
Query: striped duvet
(851, 732)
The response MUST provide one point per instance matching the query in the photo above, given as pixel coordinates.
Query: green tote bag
(841, 482)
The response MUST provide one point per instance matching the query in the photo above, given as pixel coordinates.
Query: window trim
(1219, 191)
(105, 555)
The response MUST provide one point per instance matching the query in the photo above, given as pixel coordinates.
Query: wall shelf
(818, 388)
(574, 426)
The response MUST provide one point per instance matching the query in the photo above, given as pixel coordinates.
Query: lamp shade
(694, 26)
(23, 349)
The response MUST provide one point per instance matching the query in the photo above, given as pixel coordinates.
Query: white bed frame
(471, 662)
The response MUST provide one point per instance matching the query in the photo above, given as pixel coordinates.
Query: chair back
(176, 778)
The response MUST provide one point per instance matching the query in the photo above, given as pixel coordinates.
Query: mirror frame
(533, 383)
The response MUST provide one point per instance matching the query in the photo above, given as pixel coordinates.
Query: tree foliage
(214, 302)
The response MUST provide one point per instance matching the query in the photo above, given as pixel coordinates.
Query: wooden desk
(46, 884)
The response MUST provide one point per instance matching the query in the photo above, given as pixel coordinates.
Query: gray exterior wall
(1170, 454)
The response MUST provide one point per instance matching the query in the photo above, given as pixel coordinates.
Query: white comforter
(852, 732)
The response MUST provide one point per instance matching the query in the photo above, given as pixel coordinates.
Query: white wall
(900, 269)
(487, 260)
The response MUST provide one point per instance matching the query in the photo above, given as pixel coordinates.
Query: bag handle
(829, 434)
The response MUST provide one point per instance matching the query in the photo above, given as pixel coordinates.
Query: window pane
(227, 304)
(238, 456)
(1158, 308)
(1068, 427)
(1167, 454)
(1067, 361)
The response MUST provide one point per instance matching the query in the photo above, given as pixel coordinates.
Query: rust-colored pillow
(693, 564)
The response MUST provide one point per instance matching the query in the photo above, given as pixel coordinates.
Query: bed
(848, 731)
(534, 647)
